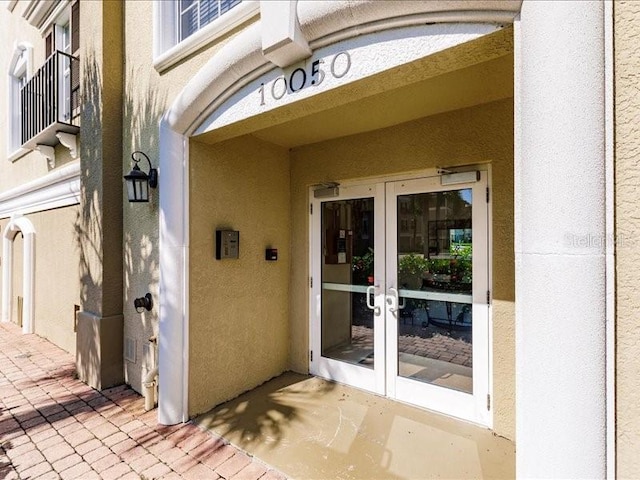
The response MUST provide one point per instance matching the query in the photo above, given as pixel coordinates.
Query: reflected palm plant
(416, 271)
(362, 268)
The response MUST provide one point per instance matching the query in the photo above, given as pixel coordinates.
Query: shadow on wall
(88, 226)
(143, 107)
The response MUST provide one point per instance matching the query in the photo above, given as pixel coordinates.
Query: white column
(29, 282)
(560, 240)
(7, 261)
(173, 344)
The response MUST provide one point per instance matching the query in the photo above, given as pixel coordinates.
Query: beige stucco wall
(627, 146)
(57, 283)
(17, 279)
(482, 134)
(100, 152)
(238, 309)
(57, 287)
(147, 95)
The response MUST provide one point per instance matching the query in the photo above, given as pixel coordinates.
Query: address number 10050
(301, 77)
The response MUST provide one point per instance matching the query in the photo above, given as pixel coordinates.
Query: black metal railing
(51, 95)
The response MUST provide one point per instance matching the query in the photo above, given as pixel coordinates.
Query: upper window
(195, 14)
(19, 72)
(181, 27)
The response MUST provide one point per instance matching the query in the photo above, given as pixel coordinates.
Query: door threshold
(308, 427)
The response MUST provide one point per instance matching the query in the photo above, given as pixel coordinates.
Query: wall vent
(130, 349)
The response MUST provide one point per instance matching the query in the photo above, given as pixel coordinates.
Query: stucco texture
(57, 285)
(627, 146)
(239, 308)
(147, 95)
(482, 134)
(57, 288)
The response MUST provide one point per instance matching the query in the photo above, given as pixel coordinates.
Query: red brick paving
(54, 426)
(428, 342)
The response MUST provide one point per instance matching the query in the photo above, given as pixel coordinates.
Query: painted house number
(300, 77)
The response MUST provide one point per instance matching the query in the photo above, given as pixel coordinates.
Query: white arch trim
(322, 23)
(237, 63)
(18, 224)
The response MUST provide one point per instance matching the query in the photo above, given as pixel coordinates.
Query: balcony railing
(49, 101)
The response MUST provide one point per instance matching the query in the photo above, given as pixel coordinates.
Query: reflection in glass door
(434, 263)
(347, 335)
(399, 288)
(347, 273)
(437, 315)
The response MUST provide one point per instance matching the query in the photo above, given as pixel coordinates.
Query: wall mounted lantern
(138, 182)
(143, 303)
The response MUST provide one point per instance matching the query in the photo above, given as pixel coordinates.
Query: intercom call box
(227, 244)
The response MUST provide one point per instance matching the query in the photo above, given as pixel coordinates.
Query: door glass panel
(347, 271)
(434, 277)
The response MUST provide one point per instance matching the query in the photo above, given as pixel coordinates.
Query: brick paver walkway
(54, 426)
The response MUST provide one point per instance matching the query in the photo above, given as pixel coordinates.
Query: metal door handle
(393, 300)
(371, 290)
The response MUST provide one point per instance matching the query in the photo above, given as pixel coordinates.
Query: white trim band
(59, 188)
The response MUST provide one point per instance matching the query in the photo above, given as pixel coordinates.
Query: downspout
(149, 383)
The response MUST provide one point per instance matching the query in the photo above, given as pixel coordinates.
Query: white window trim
(37, 12)
(60, 14)
(20, 50)
(167, 52)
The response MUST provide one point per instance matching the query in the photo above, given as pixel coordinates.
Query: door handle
(393, 300)
(371, 290)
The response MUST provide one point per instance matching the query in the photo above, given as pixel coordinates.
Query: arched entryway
(559, 161)
(19, 226)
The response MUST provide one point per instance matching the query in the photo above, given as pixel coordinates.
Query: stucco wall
(238, 309)
(57, 287)
(147, 96)
(627, 145)
(482, 134)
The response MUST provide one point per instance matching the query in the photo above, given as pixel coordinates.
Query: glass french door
(400, 291)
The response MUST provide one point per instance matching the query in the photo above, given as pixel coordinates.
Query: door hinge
(310, 282)
(488, 401)
(488, 297)
(487, 194)
(311, 355)
(311, 209)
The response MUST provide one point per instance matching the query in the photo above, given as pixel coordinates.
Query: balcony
(49, 102)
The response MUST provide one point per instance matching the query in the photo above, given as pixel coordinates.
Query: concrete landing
(313, 429)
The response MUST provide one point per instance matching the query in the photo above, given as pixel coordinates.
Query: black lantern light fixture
(138, 182)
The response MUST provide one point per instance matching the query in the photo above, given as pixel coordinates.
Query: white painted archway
(560, 139)
(19, 224)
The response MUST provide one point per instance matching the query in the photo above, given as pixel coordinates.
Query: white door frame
(372, 380)
(473, 407)
(383, 379)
